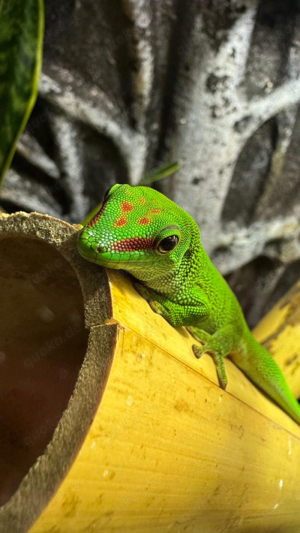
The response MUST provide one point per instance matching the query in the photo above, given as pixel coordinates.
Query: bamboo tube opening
(53, 364)
(42, 347)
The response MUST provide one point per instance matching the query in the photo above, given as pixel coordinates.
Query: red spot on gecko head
(144, 221)
(126, 207)
(122, 221)
(155, 211)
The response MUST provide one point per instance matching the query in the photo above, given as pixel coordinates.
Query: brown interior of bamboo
(42, 346)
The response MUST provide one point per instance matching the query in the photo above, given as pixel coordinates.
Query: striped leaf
(159, 173)
(21, 40)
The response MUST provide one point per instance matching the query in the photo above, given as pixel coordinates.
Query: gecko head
(136, 227)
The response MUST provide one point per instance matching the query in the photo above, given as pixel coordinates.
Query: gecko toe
(198, 350)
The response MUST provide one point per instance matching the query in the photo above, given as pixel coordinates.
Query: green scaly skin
(139, 230)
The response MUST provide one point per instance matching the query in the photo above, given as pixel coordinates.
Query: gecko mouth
(110, 260)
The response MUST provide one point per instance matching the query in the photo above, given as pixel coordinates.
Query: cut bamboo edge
(108, 421)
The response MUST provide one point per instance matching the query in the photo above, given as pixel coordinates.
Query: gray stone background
(128, 85)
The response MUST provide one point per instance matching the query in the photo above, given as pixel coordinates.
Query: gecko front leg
(175, 313)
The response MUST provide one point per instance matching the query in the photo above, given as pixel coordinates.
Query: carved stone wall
(214, 84)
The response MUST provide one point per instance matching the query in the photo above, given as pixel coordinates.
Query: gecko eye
(168, 244)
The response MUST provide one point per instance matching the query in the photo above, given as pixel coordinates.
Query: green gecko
(140, 230)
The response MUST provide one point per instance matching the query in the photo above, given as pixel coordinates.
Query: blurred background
(129, 85)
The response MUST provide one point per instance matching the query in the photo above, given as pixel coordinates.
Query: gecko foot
(199, 350)
(157, 307)
(218, 359)
(221, 372)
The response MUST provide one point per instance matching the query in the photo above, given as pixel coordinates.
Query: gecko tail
(262, 370)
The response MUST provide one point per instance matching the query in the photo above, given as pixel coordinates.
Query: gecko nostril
(100, 250)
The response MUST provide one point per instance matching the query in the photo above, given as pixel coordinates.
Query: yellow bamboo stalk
(148, 442)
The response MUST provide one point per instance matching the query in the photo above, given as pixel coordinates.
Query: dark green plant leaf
(91, 214)
(159, 173)
(21, 44)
